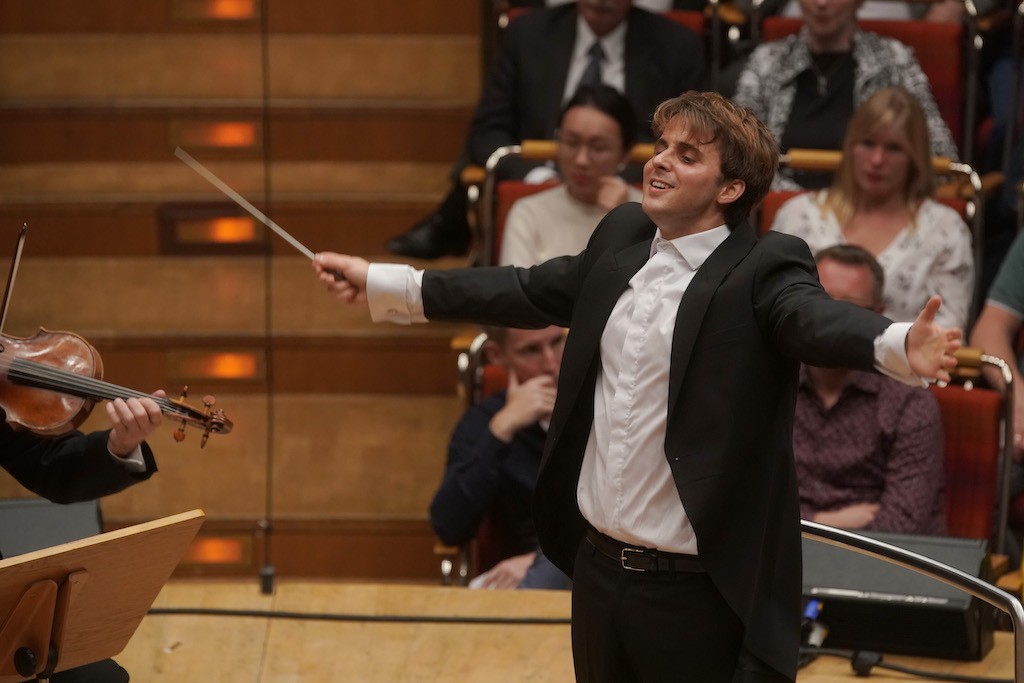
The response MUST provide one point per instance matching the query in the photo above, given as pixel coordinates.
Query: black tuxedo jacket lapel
(697, 298)
(606, 281)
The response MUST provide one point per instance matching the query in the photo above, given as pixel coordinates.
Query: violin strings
(29, 372)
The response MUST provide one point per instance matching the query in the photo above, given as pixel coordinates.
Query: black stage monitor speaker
(870, 604)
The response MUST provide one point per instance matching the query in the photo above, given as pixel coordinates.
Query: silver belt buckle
(623, 558)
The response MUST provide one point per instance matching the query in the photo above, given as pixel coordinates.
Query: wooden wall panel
(381, 550)
(369, 457)
(335, 457)
(130, 229)
(343, 430)
(227, 70)
(186, 298)
(424, 134)
(143, 296)
(111, 183)
(283, 16)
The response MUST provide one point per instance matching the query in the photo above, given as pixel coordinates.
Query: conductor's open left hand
(930, 347)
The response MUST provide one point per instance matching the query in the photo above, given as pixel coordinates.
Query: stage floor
(258, 649)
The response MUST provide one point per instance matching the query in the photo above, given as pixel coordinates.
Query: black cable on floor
(386, 618)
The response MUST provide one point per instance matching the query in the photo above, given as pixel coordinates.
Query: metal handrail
(916, 562)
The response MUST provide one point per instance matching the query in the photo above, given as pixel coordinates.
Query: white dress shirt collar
(696, 248)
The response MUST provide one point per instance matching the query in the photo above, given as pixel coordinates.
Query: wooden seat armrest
(999, 565)
(1011, 583)
(729, 13)
(472, 175)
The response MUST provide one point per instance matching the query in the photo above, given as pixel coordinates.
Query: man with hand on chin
(495, 452)
(667, 489)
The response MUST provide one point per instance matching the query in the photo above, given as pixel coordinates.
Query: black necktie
(592, 74)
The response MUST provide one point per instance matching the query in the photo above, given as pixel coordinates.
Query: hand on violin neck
(131, 421)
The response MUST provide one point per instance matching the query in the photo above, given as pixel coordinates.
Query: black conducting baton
(244, 203)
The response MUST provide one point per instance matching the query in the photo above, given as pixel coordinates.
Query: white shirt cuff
(891, 355)
(394, 293)
(133, 462)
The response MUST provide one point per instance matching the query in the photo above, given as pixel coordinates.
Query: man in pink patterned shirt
(869, 450)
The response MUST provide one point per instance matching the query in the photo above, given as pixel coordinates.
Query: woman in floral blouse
(880, 200)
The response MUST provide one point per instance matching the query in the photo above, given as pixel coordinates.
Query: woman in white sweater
(595, 134)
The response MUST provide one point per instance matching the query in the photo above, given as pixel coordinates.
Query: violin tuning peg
(179, 433)
(206, 435)
(184, 393)
(209, 401)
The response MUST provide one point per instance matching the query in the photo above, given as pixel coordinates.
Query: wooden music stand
(80, 602)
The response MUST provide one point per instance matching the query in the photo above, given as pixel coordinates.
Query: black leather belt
(639, 559)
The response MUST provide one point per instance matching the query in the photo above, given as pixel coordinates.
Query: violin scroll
(209, 420)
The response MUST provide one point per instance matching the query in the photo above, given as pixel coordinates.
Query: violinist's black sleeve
(68, 468)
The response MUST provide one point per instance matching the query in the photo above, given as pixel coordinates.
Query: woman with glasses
(596, 130)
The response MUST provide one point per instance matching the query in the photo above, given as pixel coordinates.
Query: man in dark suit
(78, 467)
(667, 489)
(543, 58)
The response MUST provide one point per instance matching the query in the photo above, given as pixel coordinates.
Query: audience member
(943, 11)
(77, 467)
(880, 201)
(806, 86)
(997, 332)
(869, 450)
(545, 55)
(595, 133)
(495, 452)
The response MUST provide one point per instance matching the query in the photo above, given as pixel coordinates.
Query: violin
(49, 383)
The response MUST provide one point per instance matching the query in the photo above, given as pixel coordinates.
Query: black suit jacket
(523, 93)
(67, 469)
(752, 313)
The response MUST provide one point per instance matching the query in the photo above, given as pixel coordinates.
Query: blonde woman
(880, 200)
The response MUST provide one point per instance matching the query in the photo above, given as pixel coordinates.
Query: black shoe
(431, 238)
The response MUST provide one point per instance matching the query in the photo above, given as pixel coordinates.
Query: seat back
(770, 205)
(978, 430)
(971, 423)
(508, 193)
(939, 49)
(493, 542)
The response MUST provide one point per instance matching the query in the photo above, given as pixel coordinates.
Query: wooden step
(179, 70)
